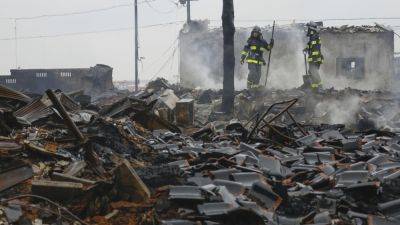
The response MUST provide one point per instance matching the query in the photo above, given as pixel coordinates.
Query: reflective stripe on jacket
(314, 50)
(254, 49)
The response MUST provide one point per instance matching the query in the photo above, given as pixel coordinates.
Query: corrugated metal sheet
(41, 108)
(9, 93)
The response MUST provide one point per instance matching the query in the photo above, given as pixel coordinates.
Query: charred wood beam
(67, 120)
(228, 27)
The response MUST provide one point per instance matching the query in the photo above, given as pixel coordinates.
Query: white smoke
(287, 60)
(338, 111)
(203, 65)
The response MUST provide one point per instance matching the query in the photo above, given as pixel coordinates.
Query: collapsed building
(120, 161)
(166, 155)
(93, 80)
(355, 56)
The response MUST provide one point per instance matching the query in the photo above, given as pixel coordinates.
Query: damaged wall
(397, 67)
(369, 52)
(93, 80)
(347, 50)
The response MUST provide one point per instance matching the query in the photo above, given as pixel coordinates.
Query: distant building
(93, 80)
(355, 56)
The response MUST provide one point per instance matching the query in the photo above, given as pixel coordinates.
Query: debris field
(166, 155)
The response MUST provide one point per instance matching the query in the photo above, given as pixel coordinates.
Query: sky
(104, 33)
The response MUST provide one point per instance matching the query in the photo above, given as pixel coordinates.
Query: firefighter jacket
(254, 49)
(314, 49)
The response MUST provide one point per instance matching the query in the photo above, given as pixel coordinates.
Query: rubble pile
(355, 29)
(166, 155)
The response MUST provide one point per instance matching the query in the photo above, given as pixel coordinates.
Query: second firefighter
(253, 54)
(315, 57)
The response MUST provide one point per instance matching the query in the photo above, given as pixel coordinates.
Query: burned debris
(147, 158)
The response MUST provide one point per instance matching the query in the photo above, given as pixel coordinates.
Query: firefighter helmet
(256, 29)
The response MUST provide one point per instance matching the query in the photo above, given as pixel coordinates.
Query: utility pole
(188, 20)
(136, 48)
(228, 29)
(187, 4)
(16, 43)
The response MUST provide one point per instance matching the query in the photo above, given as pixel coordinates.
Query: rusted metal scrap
(9, 93)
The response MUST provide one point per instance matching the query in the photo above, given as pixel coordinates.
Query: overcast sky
(45, 43)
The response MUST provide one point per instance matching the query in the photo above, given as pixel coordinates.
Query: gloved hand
(305, 51)
(264, 63)
(271, 43)
(242, 60)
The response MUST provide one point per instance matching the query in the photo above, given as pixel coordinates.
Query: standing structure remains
(93, 80)
(228, 26)
(355, 56)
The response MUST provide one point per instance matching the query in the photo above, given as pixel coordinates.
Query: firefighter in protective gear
(253, 54)
(315, 57)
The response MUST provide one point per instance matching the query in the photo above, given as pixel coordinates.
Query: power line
(173, 58)
(136, 47)
(175, 3)
(76, 12)
(164, 24)
(320, 19)
(147, 2)
(131, 28)
(66, 34)
(71, 13)
(88, 32)
(161, 55)
(156, 10)
(164, 64)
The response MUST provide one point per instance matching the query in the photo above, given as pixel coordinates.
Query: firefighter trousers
(253, 80)
(314, 72)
